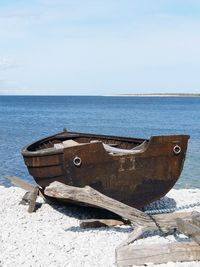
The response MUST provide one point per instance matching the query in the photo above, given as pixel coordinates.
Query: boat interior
(113, 145)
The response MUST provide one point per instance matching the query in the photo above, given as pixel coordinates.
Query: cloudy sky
(99, 47)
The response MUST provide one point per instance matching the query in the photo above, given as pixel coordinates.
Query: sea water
(24, 119)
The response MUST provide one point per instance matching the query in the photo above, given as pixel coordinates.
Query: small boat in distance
(131, 170)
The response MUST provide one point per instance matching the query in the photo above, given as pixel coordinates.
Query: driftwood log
(157, 253)
(21, 183)
(88, 195)
(126, 254)
(96, 223)
(32, 200)
(189, 228)
(30, 196)
(196, 219)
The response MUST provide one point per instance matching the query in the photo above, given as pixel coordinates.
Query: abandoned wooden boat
(131, 170)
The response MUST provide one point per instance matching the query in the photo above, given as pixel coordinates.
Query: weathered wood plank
(95, 223)
(26, 198)
(188, 229)
(90, 196)
(21, 183)
(196, 218)
(126, 254)
(138, 231)
(157, 253)
(32, 201)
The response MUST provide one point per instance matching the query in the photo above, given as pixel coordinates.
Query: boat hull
(134, 179)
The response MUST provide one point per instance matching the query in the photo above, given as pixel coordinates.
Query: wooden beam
(196, 218)
(24, 184)
(188, 229)
(157, 253)
(92, 197)
(32, 200)
(26, 198)
(96, 223)
(21, 183)
(126, 254)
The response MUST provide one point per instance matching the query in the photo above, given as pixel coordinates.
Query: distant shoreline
(122, 95)
(162, 95)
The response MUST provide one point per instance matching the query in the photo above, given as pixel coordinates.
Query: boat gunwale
(25, 152)
(51, 151)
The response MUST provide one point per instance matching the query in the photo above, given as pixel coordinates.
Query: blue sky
(99, 47)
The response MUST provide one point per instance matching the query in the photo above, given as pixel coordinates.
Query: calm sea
(24, 119)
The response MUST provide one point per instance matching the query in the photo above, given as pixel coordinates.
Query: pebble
(52, 237)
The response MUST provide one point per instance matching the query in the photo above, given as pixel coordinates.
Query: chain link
(169, 210)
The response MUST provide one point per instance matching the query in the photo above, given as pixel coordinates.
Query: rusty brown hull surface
(134, 179)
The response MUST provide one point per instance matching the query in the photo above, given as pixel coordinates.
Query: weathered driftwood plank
(128, 255)
(138, 218)
(196, 218)
(21, 183)
(24, 184)
(188, 229)
(157, 253)
(26, 198)
(96, 223)
(32, 201)
(90, 196)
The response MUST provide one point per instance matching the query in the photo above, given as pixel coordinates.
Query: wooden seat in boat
(107, 147)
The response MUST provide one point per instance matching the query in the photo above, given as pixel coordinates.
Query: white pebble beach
(51, 236)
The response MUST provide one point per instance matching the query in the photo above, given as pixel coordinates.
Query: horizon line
(119, 94)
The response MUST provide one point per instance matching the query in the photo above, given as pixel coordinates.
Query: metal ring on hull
(77, 161)
(177, 149)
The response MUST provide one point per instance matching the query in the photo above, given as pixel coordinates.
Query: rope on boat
(169, 210)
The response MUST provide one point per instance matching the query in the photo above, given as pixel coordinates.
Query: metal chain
(169, 210)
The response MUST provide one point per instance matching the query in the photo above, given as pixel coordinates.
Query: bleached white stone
(52, 237)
